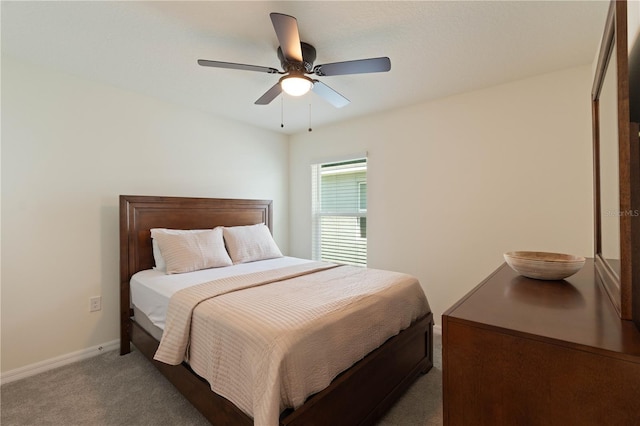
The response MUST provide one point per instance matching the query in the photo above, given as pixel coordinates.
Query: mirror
(616, 163)
(609, 168)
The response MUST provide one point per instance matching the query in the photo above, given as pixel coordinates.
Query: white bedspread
(268, 347)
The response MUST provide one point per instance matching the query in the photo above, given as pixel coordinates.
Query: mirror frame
(619, 288)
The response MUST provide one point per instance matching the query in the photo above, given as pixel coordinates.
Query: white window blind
(339, 208)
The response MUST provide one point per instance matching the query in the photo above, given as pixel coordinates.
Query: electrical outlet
(95, 304)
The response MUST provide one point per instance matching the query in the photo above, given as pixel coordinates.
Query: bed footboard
(365, 392)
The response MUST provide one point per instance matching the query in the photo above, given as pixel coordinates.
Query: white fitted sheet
(152, 289)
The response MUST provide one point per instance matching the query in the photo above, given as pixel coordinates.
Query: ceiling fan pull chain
(310, 116)
(282, 112)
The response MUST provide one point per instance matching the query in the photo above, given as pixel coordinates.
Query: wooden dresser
(518, 351)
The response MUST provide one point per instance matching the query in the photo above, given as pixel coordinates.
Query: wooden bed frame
(358, 396)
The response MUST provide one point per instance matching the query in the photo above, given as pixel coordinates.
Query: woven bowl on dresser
(542, 265)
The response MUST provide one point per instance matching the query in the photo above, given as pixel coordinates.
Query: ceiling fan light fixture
(296, 85)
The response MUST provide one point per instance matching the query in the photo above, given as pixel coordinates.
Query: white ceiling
(436, 48)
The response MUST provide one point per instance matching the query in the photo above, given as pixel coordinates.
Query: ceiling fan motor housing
(308, 57)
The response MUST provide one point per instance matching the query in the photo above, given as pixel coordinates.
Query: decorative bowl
(544, 266)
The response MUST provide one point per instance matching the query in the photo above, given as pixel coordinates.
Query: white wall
(452, 185)
(633, 20)
(455, 183)
(69, 148)
(633, 23)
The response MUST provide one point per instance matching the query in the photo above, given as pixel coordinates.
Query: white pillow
(250, 243)
(157, 255)
(187, 252)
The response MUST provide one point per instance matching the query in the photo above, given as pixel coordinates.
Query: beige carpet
(128, 390)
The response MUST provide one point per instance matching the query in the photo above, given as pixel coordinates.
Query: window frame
(318, 213)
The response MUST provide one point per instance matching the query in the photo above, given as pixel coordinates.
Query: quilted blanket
(268, 340)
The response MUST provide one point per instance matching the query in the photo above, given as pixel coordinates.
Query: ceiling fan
(297, 58)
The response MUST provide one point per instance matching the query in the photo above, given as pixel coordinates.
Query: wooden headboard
(138, 214)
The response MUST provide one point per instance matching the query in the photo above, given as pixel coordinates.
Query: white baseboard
(437, 329)
(59, 361)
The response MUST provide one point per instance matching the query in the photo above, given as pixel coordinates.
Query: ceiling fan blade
(269, 95)
(288, 36)
(360, 66)
(329, 95)
(231, 65)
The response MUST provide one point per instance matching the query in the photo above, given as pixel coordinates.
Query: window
(339, 208)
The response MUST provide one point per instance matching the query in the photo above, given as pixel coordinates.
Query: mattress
(151, 289)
